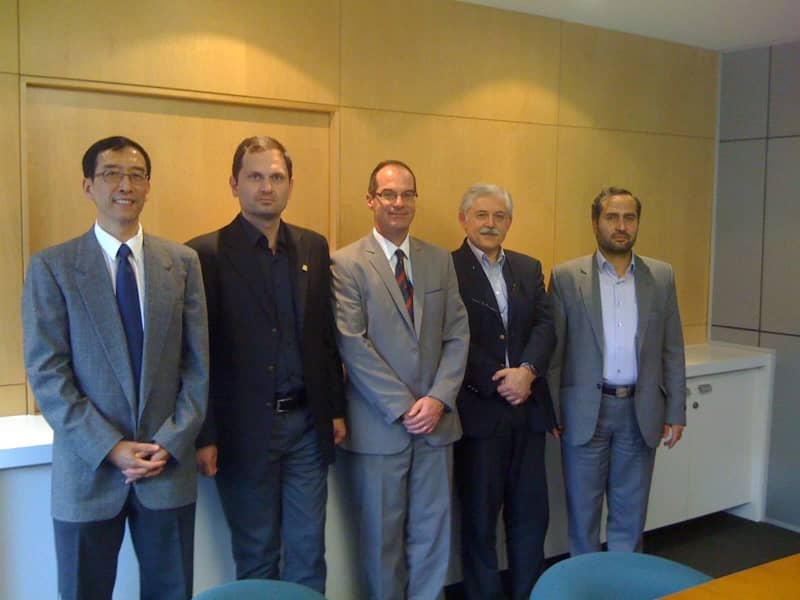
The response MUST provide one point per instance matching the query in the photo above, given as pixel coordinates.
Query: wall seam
(764, 203)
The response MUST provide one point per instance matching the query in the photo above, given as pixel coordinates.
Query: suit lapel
(241, 256)
(419, 271)
(97, 293)
(159, 290)
(590, 294)
(377, 260)
(478, 284)
(643, 280)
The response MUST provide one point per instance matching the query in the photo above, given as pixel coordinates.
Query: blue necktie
(129, 311)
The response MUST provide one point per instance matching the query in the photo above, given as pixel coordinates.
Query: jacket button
(270, 368)
(502, 337)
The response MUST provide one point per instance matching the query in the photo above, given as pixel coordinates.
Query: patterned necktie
(130, 311)
(404, 283)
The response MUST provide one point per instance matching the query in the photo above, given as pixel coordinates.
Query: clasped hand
(423, 416)
(138, 460)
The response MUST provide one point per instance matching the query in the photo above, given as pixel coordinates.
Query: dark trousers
(276, 508)
(504, 470)
(162, 539)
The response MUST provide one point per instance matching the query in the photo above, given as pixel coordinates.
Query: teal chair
(615, 576)
(260, 589)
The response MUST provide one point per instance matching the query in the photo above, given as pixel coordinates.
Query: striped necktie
(404, 283)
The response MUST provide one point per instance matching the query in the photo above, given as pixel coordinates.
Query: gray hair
(485, 189)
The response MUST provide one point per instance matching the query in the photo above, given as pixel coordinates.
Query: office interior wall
(464, 93)
(756, 246)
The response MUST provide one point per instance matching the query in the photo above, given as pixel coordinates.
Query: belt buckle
(622, 391)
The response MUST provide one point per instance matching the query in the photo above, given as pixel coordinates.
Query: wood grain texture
(449, 58)
(9, 42)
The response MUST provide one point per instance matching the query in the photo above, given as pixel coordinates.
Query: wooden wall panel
(449, 154)
(9, 46)
(449, 58)
(673, 176)
(12, 400)
(264, 48)
(11, 367)
(191, 146)
(621, 81)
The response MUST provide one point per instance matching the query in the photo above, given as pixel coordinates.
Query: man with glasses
(116, 351)
(276, 407)
(504, 403)
(403, 337)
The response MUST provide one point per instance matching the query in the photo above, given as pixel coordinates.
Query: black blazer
(530, 337)
(242, 325)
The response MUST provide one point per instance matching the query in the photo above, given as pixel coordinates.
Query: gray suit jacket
(391, 362)
(78, 367)
(576, 373)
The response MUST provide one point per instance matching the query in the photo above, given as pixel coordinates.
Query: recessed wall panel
(263, 48)
(456, 153)
(784, 90)
(734, 336)
(738, 234)
(621, 81)
(779, 309)
(449, 58)
(744, 94)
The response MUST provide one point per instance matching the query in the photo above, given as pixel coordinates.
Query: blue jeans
(280, 509)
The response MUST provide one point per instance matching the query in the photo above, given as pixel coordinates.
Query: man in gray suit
(619, 373)
(403, 337)
(116, 351)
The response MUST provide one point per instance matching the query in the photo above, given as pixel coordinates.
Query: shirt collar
(110, 244)
(254, 235)
(604, 265)
(389, 247)
(483, 259)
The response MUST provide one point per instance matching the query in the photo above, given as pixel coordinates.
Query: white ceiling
(712, 24)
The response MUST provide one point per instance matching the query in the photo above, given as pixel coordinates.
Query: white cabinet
(720, 463)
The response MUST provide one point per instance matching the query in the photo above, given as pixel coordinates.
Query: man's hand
(515, 384)
(339, 430)
(206, 460)
(672, 433)
(423, 416)
(136, 460)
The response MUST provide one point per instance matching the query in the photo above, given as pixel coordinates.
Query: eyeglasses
(113, 177)
(391, 195)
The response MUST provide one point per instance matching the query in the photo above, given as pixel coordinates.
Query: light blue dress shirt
(620, 322)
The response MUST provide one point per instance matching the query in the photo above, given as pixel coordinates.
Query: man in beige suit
(403, 337)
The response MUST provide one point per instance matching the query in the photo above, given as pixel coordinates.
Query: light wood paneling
(265, 48)
(12, 400)
(9, 48)
(191, 145)
(673, 177)
(11, 368)
(622, 81)
(449, 58)
(449, 154)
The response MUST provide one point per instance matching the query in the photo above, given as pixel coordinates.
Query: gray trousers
(615, 463)
(403, 510)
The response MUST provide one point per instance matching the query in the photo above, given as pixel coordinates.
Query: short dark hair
(373, 181)
(259, 143)
(116, 142)
(608, 192)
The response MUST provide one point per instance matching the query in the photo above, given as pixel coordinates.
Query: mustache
(489, 231)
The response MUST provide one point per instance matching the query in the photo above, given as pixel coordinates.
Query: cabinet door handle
(695, 405)
(705, 388)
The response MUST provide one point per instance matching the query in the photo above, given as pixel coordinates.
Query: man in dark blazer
(504, 404)
(116, 351)
(620, 372)
(276, 405)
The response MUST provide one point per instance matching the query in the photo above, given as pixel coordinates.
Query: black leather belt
(620, 391)
(289, 403)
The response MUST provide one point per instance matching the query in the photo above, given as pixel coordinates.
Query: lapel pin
(304, 268)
